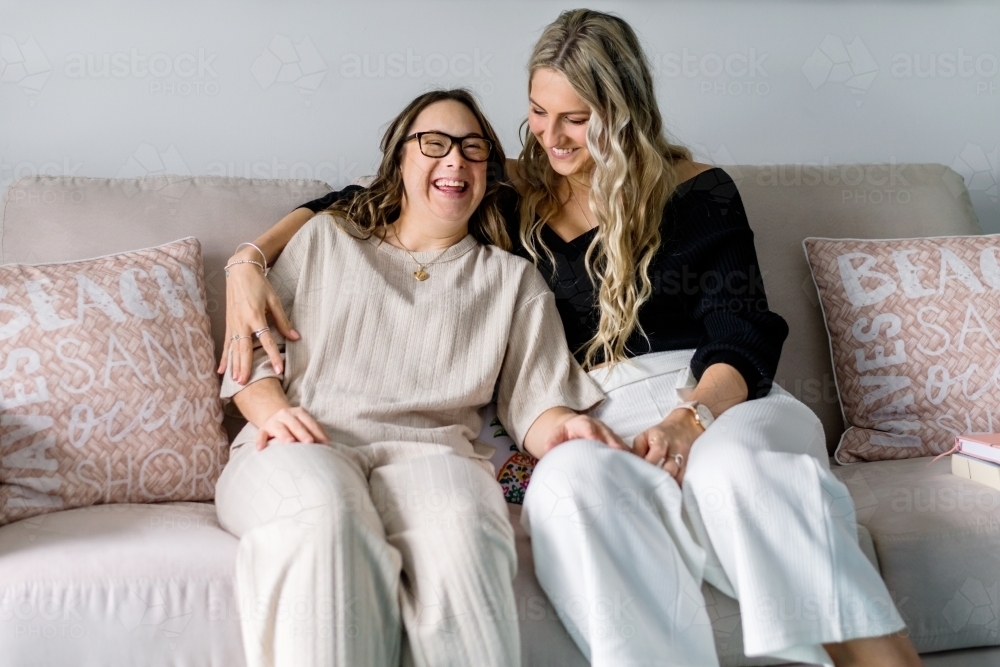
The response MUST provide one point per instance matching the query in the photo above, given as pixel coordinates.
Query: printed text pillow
(914, 328)
(108, 393)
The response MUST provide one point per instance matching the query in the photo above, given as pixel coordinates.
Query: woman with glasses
(657, 283)
(365, 512)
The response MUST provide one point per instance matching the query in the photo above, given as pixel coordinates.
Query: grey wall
(268, 89)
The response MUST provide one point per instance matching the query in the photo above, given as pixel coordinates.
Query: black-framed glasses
(438, 144)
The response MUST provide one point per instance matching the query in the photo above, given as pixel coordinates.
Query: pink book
(984, 446)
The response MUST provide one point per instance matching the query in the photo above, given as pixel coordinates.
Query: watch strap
(693, 407)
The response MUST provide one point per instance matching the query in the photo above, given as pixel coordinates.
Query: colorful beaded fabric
(514, 477)
(513, 467)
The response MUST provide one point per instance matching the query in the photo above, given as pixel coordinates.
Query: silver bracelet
(245, 261)
(262, 255)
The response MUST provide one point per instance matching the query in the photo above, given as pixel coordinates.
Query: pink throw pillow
(108, 391)
(914, 327)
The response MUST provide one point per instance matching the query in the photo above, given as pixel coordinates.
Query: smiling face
(446, 189)
(558, 118)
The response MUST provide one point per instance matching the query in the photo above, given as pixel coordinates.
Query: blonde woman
(365, 512)
(656, 278)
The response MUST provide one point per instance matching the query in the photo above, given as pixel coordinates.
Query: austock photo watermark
(150, 160)
(283, 61)
(471, 66)
(182, 74)
(23, 64)
(973, 607)
(732, 74)
(299, 64)
(980, 170)
(849, 62)
(860, 184)
(295, 62)
(974, 604)
(52, 619)
(978, 70)
(337, 172)
(839, 62)
(974, 507)
(66, 166)
(816, 608)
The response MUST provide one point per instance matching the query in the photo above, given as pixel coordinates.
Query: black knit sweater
(708, 293)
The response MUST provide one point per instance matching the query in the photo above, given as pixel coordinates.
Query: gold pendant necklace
(419, 274)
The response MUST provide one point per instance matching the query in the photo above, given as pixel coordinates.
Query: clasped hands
(659, 444)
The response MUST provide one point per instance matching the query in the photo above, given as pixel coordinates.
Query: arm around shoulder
(274, 240)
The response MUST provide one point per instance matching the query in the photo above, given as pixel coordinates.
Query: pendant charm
(420, 274)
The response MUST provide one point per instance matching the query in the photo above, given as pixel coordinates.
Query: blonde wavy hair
(634, 167)
(380, 203)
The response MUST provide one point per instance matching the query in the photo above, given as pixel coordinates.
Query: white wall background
(303, 89)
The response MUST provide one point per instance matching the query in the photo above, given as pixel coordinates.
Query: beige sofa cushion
(784, 203)
(787, 203)
(937, 537)
(88, 217)
(120, 585)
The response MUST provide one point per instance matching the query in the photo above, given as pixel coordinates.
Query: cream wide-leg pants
(343, 550)
(622, 551)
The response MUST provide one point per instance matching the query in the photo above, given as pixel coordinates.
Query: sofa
(151, 585)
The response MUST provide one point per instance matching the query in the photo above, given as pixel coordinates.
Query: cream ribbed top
(384, 357)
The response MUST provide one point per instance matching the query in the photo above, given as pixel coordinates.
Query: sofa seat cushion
(937, 537)
(152, 585)
(110, 585)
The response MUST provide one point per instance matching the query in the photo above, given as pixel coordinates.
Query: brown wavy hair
(379, 204)
(634, 167)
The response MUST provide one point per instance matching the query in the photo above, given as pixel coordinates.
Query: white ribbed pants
(621, 550)
(343, 550)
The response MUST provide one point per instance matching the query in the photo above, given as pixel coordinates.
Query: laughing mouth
(451, 185)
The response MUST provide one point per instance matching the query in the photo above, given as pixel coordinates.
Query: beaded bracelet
(245, 261)
(263, 257)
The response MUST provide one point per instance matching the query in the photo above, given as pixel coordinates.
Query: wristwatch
(702, 414)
